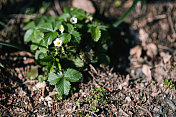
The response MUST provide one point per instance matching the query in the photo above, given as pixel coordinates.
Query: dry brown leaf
(137, 51)
(39, 85)
(166, 56)
(152, 50)
(147, 72)
(84, 4)
(143, 36)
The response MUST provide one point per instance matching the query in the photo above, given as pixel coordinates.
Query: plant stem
(14, 46)
(116, 24)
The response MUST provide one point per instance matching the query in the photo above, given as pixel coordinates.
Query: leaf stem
(14, 46)
(116, 24)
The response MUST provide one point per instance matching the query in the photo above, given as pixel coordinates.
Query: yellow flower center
(58, 43)
(62, 28)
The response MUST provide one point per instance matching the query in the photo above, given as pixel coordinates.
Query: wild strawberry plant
(66, 45)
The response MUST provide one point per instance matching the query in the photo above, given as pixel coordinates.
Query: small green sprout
(57, 97)
(169, 83)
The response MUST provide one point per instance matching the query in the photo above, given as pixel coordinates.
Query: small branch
(22, 16)
(57, 6)
(92, 67)
(172, 26)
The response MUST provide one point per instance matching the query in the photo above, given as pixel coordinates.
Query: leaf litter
(141, 92)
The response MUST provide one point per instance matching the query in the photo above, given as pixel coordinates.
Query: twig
(22, 16)
(165, 48)
(172, 26)
(57, 6)
(145, 110)
(91, 66)
(123, 112)
(158, 17)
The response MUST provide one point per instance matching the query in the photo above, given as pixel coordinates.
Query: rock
(84, 4)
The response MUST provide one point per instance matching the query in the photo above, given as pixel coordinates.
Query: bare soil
(143, 57)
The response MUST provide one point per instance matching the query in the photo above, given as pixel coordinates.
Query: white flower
(61, 28)
(58, 42)
(73, 20)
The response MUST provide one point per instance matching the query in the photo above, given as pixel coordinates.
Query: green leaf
(28, 35)
(64, 16)
(33, 73)
(41, 78)
(37, 54)
(45, 27)
(47, 58)
(65, 37)
(42, 46)
(68, 9)
(95, 33)
(33, 47)
(49, 37)
(29, 26)
(39, 21)
(54, 78)
(50, 19)
(70, 28)
(78, 62)
(63, 86)
(57, 25)
(72, 75)
(104, 59)
(50, 66)
(79, 14)
(77, 37)
(37, 36)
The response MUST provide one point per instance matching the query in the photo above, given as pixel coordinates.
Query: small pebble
(128, 99)
(24, 58)
(125, 83)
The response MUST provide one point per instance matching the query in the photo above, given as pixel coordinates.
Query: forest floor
(140, 81)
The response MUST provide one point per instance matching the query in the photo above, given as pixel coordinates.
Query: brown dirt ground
(133, 84)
